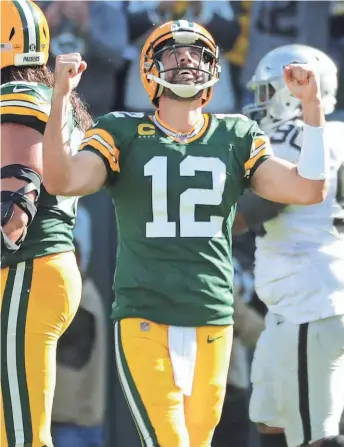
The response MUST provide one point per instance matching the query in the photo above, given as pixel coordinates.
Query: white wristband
(313, 161)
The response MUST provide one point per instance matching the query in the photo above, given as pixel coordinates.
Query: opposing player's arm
(340, 185)
(253, 211)
(21, 177)
(249, 323)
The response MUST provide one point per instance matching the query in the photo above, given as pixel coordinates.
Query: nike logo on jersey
(17, 89)
(210, 340)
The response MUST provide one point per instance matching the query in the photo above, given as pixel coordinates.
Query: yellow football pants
(38, 301)
(164, 416)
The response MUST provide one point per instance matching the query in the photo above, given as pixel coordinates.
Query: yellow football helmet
(24, 34)
(171, 35)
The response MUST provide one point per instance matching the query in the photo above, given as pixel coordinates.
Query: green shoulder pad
(251, 144)
(110, 135)
(26, 103)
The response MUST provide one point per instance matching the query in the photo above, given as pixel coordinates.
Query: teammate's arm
(21, 176)
(304, 183)
(64, 174)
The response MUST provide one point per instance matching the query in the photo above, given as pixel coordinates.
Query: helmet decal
(24, 34)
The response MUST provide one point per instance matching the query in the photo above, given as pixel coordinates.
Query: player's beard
(167, 93)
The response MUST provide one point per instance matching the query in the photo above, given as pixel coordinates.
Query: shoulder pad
(234, 116)
(40, 91)
(137, 115)
(235, 120)
(121, 125)
(25, 103)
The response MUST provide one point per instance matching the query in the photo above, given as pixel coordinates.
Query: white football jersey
(299, 267)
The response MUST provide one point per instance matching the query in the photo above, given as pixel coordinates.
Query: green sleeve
(103, 140)
(253, 146)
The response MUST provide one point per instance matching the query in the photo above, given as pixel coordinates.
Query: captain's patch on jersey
(261, 147)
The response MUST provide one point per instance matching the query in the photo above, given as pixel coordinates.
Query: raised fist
(68, 72)
(302, 82)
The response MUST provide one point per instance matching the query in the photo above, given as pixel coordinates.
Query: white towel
(182, 342)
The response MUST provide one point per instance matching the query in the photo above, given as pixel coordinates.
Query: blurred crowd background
(89, 409)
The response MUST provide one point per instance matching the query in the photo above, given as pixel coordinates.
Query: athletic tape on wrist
(313, 161)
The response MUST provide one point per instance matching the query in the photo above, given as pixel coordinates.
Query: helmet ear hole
(12, 33)
(17, 32)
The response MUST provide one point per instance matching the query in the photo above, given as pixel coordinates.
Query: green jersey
(175, 202)
(51, 231)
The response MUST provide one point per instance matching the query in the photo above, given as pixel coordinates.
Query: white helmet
(273, 102)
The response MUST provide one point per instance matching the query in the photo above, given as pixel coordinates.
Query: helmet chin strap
(182, 90)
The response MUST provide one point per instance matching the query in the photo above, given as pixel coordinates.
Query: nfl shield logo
(144, 326)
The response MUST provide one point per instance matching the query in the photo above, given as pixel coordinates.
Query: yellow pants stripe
(164, 415)
(14, 386)
(143, 424)
(39, 299)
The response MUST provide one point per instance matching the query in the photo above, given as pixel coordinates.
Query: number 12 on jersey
(156, 168)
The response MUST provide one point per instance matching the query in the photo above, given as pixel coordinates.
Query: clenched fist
(68, 71)
(302, 82)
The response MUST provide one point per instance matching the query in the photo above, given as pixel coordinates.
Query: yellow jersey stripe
(106, 136)
(13, 110)
(21, 97)
(252, 161)
(44, 108)
(259, 141)
(255, 151)
(112, 149)
(95, 144)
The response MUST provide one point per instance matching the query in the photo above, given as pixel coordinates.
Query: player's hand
(68, 72)
(302, 82)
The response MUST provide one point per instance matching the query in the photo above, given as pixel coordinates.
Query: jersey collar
(194, 133)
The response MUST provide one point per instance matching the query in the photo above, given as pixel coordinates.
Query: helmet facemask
(273, 103)
(272, 109)
(170, 81)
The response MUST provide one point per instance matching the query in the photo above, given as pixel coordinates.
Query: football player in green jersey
(175, 178)
(40, 281)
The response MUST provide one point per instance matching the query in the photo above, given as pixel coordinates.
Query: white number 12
(160, 226)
